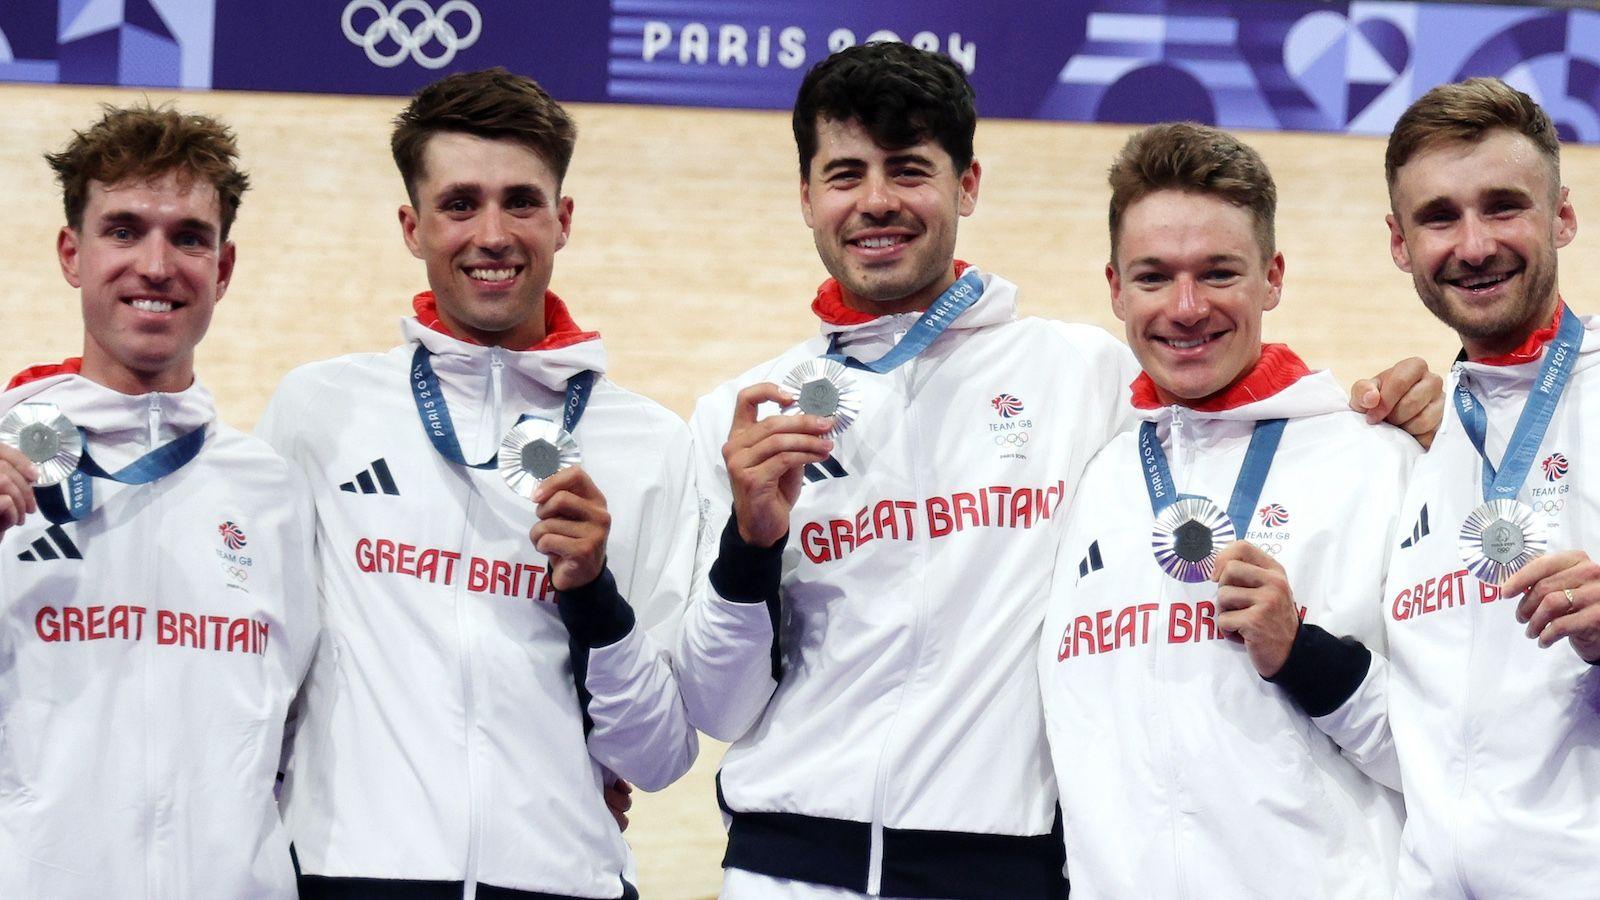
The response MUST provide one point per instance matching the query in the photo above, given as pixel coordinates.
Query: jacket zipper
(880, 789)
(1174, 777)
(153, 881)
(474, 801)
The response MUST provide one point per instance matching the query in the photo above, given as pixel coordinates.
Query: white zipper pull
(496, 370)
(154, 420)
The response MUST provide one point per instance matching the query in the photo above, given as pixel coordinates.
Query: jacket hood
(998, 304)
(565, 351)
(1278, 386)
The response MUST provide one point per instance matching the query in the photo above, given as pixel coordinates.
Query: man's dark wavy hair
(900, 95)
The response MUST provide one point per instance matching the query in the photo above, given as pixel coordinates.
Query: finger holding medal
(1559, 600)
(766, 460)
(17, 476)
(1406, 395)
(572, 529)
(1255, 605)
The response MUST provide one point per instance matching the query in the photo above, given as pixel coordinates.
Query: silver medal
(46, 437)
(824, 387)
(1187, 536)
(532, 451)
(1498, 538)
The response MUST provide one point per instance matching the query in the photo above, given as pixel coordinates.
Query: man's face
(150, 264)
(1190, 284)
(1477, 225)
(885, 220)
(488, 222)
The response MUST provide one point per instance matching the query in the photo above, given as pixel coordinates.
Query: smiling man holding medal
(1492, 606)
(158, 608)
(488, 506)
(864, 639)
(1183, 770)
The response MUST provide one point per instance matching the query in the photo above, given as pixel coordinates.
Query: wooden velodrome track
(689, 255)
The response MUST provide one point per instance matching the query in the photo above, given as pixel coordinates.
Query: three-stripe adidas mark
(53, 544)
(1418, 531)
(364, 482)
(1092, 562)
(828, 468)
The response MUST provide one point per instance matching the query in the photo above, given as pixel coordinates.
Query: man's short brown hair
(492, 104)
(1468, 111)
(143, 142)
(1197, 159)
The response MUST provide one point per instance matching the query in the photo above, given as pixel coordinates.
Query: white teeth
(159, 306)
(877, 243)
(491, 274)
(1185, 345)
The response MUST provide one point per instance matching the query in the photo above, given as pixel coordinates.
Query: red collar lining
(830, 307)
(70, 366)
(559, 328)
(1532, 348)
(1277, 368)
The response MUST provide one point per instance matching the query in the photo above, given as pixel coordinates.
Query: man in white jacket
(1183, 770)
(863, 638)
(1492, 606)
(156, 609)
(489, 662)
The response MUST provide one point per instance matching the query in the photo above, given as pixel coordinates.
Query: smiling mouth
(479, 273)
(1479, 284)
(149, 304)
(1189, 343)
(881, 241)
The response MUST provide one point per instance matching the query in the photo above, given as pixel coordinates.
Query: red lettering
(501, 578)
(97, 623)
(47, 624)
(1083, 630)
(883, 520)
(239, 631)
(385, 555)
(166, 626)
(478, 575)
(406, 560)
(364, 560)
(71, 623)
(843, 540)
(940, 522)
(864, 534)
(449, 557)
(813, 544)
(967, 508)
(187, 635)
(906, 507)
(1022, 508)
(1180, 621)
(1102, 630)
(1205, 614)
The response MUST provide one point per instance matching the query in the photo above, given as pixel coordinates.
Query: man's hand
(1254, 605)
(572, 529)
(766, 460)
(1406, 395)
(619, 799)
(16, 488)
(1560, 599)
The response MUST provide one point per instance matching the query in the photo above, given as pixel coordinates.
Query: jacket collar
(998, 304)
(119, 425)
(565, 351)
(1278, 385)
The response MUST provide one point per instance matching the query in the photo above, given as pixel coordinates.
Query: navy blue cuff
(595, 614)
(1322, 671)
(744, 573)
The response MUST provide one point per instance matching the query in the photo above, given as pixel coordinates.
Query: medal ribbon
(1246, 491)
(938, 317)
(435, 413)
(1559, 361)
(73, 499)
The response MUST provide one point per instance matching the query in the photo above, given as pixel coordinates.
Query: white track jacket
(1498, 740)
(1182, 772)
(883, 702)
(461, 714)
(148, 656)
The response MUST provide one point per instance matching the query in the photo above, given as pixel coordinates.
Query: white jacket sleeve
(640, 729)
(726, 649)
